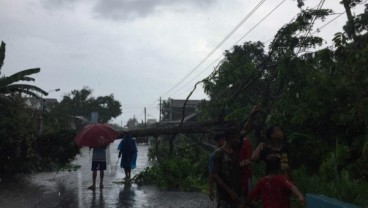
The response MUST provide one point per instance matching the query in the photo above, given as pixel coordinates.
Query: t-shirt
(99, 154)
(282, 154)
(226, 166)
(245, 153)
(274, 192)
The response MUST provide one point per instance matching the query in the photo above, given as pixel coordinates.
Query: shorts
(98, 165)
(225, 204)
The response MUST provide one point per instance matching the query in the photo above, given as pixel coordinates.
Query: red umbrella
(96, 135)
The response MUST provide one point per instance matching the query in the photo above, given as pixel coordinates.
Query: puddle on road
(69, 189)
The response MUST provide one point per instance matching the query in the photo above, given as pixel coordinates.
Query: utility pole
(160, 111)
(145, 117)
(351, 27)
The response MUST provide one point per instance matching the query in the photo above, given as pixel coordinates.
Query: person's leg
(129, 171)
(101, 178)
(126, 173)
(94, 176)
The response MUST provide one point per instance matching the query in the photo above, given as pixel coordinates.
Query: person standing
(274, 189)
(226, 172)
(277, 148)
(220, 141)
(98, 164)
(128, 153)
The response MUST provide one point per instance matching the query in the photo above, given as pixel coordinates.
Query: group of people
(230, 170)
(127, 155)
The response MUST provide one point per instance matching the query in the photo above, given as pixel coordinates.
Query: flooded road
(69, 189)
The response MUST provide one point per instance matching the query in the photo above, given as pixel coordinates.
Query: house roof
(180, 103)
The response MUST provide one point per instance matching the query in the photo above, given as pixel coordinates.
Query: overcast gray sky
(134, 49)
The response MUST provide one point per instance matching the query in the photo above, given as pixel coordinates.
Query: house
(37, 104)
(151, 121)
(174, 110)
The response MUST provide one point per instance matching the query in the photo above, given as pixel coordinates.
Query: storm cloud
(131, 9)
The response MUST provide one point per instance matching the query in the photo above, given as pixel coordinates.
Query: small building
(41, 103)
(151, 121)
(175, 110)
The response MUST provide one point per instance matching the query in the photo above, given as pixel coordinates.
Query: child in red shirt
(274, 189)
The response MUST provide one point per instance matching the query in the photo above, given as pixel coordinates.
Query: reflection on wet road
(69, 189)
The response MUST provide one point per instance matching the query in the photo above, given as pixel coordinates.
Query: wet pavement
(69, 189)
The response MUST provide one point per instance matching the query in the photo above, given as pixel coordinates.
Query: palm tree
(9, 85)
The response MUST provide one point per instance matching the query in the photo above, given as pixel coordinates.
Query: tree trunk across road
(186, 128)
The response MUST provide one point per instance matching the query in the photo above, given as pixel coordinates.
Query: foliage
(186, 170)
(318, 97)
(9, 85)
(17, 131)
(342, 187)
(56, 150)
(21, 150)
(81, 103)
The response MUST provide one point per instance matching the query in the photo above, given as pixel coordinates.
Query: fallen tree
(186, 128)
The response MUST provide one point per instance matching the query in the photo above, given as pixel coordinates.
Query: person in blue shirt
(98, 164)
(128, 153)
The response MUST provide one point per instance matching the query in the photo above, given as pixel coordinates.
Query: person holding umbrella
(98, 164)
(96, 136)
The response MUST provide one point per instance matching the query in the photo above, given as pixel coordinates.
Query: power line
(199, 74)
(329, 22)
(265, 17)
(249, 31)
(218, 46)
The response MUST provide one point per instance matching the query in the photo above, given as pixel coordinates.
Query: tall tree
(82, 103)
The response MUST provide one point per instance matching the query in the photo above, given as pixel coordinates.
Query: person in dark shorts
(220, 141)
(128, 153)
(98, 164)
(274, 189)
(226, 172)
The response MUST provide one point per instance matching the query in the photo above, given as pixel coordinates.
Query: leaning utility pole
(160, 111)
(145, 116)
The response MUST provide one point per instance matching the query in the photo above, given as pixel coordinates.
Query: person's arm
(245, 154)
(221, 183)
(294, 190)
(248, 126)
(298, 194)
(210, 188)
(217, 178)
(257, 153)
(210, 178)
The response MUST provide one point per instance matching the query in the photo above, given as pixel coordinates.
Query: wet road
(69, 189)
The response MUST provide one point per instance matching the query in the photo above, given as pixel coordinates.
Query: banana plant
(10, 84)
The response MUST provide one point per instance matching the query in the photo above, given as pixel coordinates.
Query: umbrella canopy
(96, 135)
